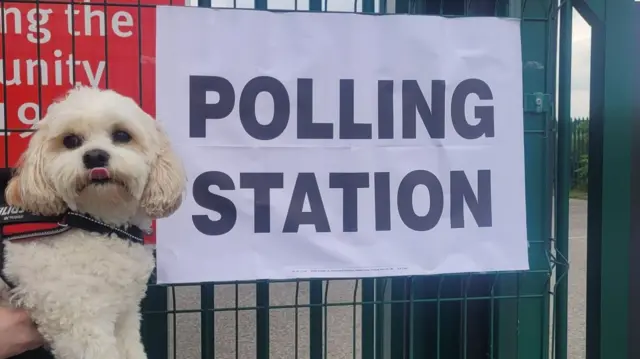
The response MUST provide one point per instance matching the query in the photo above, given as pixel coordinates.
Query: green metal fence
(485, 315)
(579, 153)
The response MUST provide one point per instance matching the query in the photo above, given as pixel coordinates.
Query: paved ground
(577, 278)
(340, 320)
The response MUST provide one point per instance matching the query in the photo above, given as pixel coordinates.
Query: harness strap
(2, 259)
(15, 215)
(54, 225)
(90, 224)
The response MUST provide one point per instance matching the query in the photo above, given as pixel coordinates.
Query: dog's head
(98, 152)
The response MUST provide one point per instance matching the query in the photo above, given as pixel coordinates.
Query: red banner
(47, 48)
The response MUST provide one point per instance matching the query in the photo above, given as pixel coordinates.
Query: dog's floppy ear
(163, 193)
(29, 188)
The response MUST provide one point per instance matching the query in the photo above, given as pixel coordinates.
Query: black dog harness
(13, 221)
(19, 225)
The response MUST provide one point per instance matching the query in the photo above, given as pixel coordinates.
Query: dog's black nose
(95, 158)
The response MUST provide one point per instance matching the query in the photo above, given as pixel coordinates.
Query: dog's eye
(72, 141)
(121, 136)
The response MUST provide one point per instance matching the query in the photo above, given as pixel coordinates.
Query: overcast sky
(580, 63)
(580, 55)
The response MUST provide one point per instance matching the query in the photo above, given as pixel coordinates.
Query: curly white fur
(83, 289)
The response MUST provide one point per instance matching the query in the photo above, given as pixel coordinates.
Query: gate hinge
(537, 102)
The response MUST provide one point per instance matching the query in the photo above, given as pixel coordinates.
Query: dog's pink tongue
(99, 173)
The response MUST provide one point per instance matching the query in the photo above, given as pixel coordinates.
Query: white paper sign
(341, 145)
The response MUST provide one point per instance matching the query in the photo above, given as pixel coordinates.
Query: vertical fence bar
(262, 319)
(368, 318)
(207, 321)
(5, 129)
(368, 6)
(260, 4)
(315, 319)
(634, 246)
(574, 150)
(398, 317)
(563, 179)
(154, 327)
(594, 185)
(615, 215)
(315, 286)
(207, 293)
(315, 5)
(368, 285)
(262, 287)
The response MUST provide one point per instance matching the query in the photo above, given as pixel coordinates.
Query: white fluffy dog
(95, 152)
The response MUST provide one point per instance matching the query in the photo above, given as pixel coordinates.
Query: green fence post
(154, 327)
(563, 180)
(260, 4)
(634, 248)
(316, 317)
(610, 217)
(522, 307)
(368, 285)
(368, 6)
(262, 320)
(594, 223)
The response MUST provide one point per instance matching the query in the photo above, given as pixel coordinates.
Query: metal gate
(488, 315)
(469, 316)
